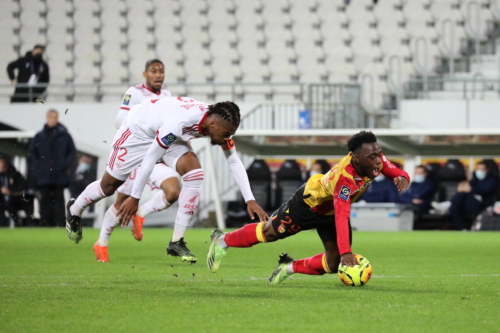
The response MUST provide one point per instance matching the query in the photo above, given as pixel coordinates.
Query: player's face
(154, 75)
(369, 160)
(220, 132)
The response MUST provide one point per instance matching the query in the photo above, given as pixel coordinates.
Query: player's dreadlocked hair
(152, 61)
(357, 140)
(228, 111)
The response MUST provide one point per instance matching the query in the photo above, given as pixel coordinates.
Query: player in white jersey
(163, 128)
(162, 177)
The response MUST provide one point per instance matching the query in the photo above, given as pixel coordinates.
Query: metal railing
(94, 92)
(469, 88)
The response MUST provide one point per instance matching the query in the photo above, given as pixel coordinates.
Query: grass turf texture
(423, 282)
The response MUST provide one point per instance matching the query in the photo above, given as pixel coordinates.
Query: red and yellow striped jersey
(333, 193)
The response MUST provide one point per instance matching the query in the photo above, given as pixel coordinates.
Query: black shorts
(295, 216)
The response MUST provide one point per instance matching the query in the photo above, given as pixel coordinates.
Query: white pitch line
(251, 278)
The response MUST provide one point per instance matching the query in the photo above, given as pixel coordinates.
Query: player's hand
(127, 210)
(401, 183)
(253, 207)
(14, 81)
(349, 259)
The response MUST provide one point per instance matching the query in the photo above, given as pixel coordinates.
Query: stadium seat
(288, 180)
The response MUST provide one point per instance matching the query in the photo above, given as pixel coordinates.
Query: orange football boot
(137, 228)
(101, 253)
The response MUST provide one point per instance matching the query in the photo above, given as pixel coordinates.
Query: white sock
(92, 194)
(289, 268)
(221, 242)
(188, 201)
(108, 224)
(157, 203)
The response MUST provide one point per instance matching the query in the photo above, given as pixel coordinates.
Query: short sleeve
(128, 101)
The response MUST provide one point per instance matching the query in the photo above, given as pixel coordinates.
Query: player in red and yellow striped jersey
(324, 204)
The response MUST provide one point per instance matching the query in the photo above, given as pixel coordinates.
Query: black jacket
(52, 152)
(14, 181)
(28, 65)
(486, 188)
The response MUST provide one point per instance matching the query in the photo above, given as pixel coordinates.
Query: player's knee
(108, 189)
(269, 234)
(172, 195)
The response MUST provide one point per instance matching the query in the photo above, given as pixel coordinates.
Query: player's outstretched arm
(241, 178)
(130, 206)
(400, 177)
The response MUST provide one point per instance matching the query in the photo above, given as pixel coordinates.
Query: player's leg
(321, 263)
(108, 224)
(180, 157)
(92, 194)
(288, 220)
(127, 154)
(165, 179)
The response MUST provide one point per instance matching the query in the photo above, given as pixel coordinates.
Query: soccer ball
(358, 275)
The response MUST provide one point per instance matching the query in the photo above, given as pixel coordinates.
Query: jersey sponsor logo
(344, 193)
(168, 139)
(126, 99)
(155, 100)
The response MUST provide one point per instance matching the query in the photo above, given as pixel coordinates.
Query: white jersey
(167, 120)
(135, 95)
(163, 128)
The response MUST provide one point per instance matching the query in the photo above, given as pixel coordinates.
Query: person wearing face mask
(473, 197)
(381, 190)
(421, 191)
(31, 70)
(320, 167)
(83, 176)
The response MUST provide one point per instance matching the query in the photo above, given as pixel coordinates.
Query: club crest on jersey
(168, 139)
(344, 193)
(126, 99)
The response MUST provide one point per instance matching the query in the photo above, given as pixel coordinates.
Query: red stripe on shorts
(116, 146)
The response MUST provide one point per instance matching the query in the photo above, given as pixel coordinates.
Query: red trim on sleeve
(228, 145)
(159, 142)
(124, 108)
(342, 206)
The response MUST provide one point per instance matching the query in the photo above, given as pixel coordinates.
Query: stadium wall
(449, 114)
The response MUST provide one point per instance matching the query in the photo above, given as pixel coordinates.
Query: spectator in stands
(52, 153)
(471, 197)
(83, 176)
(319, 167)
(31, 69)
(381, 190)
(12, 196)
(421, 191)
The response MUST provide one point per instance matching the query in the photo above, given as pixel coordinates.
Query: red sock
(243, 237)
(311, 266)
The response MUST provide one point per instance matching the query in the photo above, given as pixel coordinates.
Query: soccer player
(322, 203)
(163, 128)
(162, 177)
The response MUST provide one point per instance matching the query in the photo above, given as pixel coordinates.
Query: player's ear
(144, 74)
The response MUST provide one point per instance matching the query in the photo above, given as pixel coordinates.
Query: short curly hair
(357, 140)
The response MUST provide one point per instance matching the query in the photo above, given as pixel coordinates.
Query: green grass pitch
(423, 282)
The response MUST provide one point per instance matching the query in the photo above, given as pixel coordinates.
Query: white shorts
(159, 174)
(129, 151)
